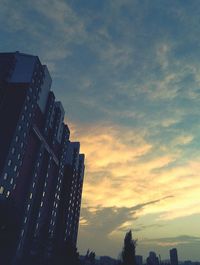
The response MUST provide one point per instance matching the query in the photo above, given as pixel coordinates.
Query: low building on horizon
(139, 260)
(106, 260)
(152, 259)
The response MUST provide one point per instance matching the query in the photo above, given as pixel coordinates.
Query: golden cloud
(118, 172)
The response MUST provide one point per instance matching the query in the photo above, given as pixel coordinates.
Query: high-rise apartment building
(41, 171)
(173, 256)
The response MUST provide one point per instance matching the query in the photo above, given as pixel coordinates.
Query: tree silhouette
(128, 252)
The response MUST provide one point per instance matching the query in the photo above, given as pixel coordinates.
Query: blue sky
(128, 75)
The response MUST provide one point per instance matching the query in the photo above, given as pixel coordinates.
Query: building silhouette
(152, 259)
(173, 256)
(41, 171)
(106, 260)
(139, 260)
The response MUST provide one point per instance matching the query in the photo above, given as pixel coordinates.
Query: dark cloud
(104, 220)
(177, 240)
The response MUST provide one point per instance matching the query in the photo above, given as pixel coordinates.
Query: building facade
(152, 259)
(173, 256)
(139, 260)
(41, 171)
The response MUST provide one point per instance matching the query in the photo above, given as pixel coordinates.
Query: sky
(128, 75)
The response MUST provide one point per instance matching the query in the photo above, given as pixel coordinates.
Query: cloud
(183, 139)
(109, 220)
(124, 165)
(172, 241)
(48, 26)
(108, 224)
(128, 75)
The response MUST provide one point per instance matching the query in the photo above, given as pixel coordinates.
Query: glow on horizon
(118, 173)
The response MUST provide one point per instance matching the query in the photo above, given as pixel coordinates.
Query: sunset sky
(128, 75)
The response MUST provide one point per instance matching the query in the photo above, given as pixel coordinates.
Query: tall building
(41, 171)
(173, 256)
(152, 259)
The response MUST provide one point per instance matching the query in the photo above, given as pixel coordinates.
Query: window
(22, 144)
(18, 157)
(22, 232)
(15, 168)
(11, 181)
(17, 138)
(8, 193)
(1, 190)
(25, 107)
(31, 196)
(20, 127)
(9, 163)
(5, 176)
(13, 150)
(22, 117)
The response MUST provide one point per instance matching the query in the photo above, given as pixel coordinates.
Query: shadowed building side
(173, 256)
(34, 155)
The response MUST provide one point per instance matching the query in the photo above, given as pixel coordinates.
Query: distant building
(106, 260)
(152, 259)
(41, 171)
(139, 260)
(188, 262)
(173, 256)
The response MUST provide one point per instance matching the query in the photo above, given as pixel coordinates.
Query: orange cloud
(119, 174)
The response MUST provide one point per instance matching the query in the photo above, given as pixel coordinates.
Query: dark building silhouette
(152, 259)
(139, 259)
(173, 256)
(106, 260)
(41, 171)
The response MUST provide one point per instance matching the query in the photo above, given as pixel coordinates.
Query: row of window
(32, 191)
